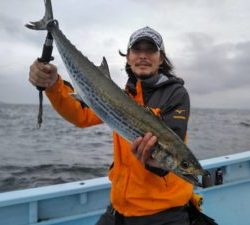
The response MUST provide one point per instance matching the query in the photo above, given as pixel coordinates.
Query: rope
(40, 110)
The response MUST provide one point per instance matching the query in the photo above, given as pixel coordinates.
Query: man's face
(144, 59)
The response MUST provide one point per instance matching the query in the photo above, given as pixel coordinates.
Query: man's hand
(42, 75)
(142, 148)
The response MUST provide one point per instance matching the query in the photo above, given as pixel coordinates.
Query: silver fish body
(117, 109)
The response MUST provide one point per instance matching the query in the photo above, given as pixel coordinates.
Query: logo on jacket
(180, 114)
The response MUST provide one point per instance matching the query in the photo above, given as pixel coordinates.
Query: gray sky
(208, 41)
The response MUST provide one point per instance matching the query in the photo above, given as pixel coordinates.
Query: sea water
(59, 152)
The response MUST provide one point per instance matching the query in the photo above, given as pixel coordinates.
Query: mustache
(143, 63)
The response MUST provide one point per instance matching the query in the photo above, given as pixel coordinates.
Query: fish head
(189, 167)
(184, 164)
(191, 171)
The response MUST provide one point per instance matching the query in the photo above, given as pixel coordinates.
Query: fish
(94, 86)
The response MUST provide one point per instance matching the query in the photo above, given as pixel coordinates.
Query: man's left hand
(142, 148)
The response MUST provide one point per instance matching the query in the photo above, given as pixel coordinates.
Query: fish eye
(185, 164)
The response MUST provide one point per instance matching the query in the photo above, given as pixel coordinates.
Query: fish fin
(105, 68)
(148, 109)
(76, 96)
(154, 111)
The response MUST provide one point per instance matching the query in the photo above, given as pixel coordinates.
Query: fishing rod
(45, 58)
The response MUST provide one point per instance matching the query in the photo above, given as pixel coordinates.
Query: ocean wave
(245, 124)
(21, 177)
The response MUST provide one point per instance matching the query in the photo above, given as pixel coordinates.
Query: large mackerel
(118, 110)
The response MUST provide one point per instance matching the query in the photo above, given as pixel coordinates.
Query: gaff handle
(47, 53)
(45, 58)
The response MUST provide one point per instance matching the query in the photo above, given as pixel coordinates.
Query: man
(141, 192)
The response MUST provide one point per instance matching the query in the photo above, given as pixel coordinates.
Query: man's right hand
(43, 75)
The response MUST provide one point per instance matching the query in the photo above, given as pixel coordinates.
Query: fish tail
(43, 24)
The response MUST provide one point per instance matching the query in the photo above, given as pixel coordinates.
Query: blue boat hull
(82, 203)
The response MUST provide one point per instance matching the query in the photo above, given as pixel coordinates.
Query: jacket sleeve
(176, 112)
(68, 107)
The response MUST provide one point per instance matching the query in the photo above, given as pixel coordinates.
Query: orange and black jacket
(137, 189)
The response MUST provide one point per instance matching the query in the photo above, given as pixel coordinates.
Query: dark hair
(165, 68)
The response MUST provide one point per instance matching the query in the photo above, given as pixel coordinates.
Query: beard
(144, 76)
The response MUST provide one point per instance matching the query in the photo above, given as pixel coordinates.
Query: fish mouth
(192, 179)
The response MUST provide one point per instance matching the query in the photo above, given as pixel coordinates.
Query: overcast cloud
(207, 41)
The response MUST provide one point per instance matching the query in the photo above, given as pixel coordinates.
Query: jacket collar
(152, 82)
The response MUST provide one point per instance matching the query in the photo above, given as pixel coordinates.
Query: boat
(227, 200)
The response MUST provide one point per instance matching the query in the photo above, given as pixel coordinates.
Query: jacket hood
(160, 80)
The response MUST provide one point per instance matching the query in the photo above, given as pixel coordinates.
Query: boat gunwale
(101, 183)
